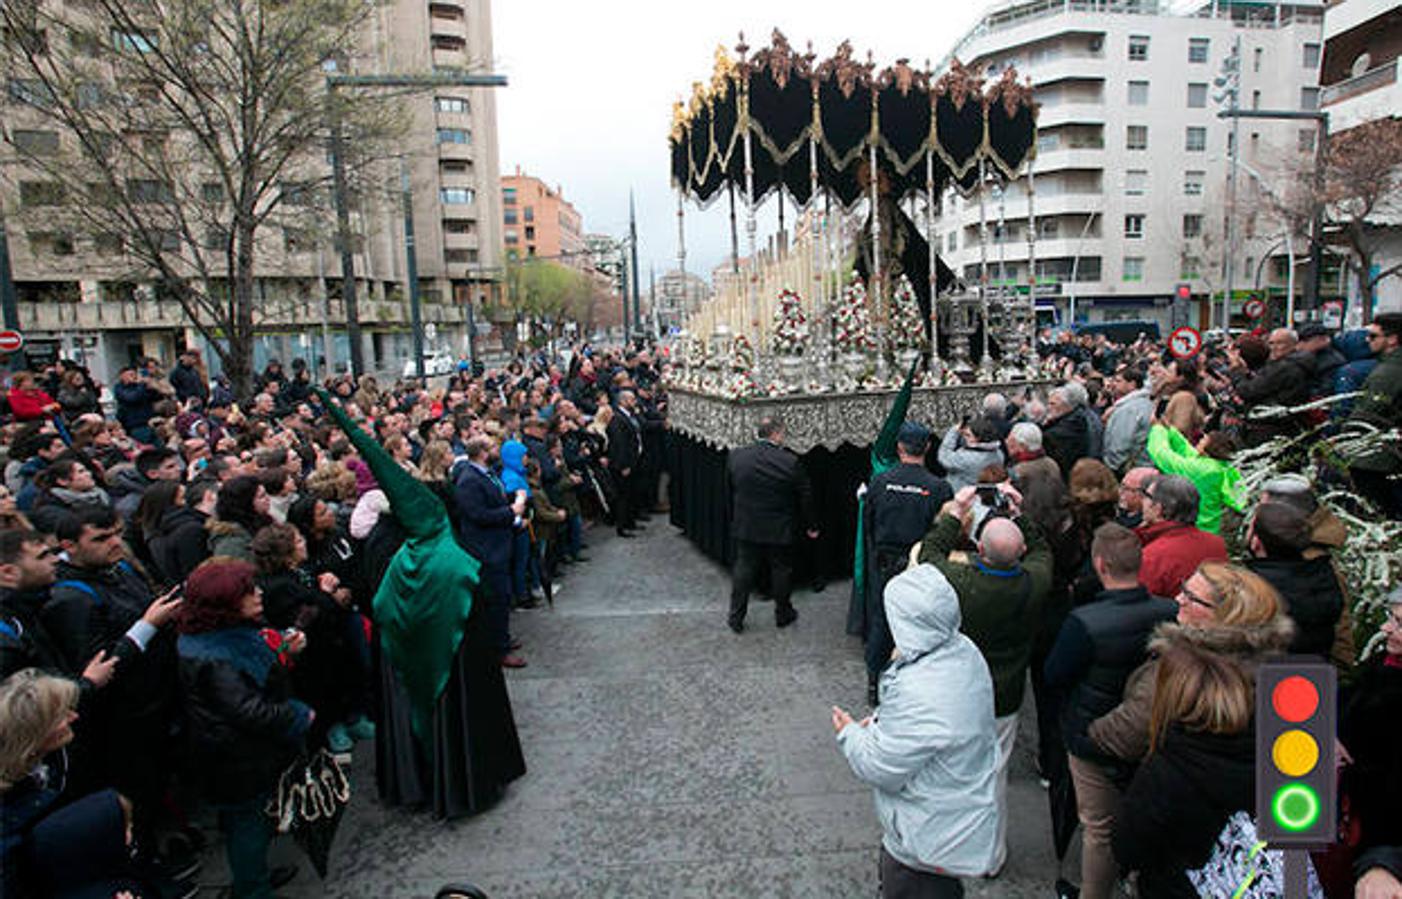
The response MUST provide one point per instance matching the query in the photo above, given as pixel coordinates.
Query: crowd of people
(197, 589)
(1098, 542)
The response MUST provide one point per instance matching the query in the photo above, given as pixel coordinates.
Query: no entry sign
(1255, 308)
(11, 341)
(1185, 342)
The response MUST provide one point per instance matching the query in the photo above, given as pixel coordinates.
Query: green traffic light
(1295, 807)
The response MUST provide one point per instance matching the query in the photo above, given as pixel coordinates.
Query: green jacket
(998, 607)
(422, 603)
(1381, 406)
(1217, 481)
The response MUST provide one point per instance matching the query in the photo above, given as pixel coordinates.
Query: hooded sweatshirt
(513, 467)
(930, 750)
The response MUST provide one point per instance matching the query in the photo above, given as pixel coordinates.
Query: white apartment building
(1359, 83)
(84, 302)
(1131, 164)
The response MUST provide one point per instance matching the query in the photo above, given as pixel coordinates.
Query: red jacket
(28, 405)
(1172, 552)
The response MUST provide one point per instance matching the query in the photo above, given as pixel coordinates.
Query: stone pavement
(666, 756)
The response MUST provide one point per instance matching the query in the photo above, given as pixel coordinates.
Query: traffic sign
(1295, 719)
(1255, 308)
(11, 341)
(1185, 342)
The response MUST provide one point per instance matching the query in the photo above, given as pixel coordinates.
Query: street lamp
(338, 177)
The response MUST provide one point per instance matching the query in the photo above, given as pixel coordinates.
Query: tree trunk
(240, 367)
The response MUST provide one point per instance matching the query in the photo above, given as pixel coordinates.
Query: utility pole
(339, 188)
(411, 269)
(9, 303)
(1311, 294)
(1230, 82)
(637, 274)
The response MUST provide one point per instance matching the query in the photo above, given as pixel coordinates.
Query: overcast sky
(592, 85)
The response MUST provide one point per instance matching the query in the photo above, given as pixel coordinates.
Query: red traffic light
(1184, 292)
(1295, 699)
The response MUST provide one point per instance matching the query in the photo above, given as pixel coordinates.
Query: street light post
(338, 178)
(1230, 81)
(1321, 118)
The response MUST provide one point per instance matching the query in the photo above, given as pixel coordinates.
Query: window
(512, 236)
(109, 244)
(1190, 269)
(1198, 49)
(1137, 137)
(1197, 96)
(142, 190)
(168, 240)
(1255, 99)
(451, 104)
(295, 240)
(530, 232)
(457, 194)
(1139, 93)
(1256, 59)
(1310, 59)
(35, 143)
(216, 237)
(529, 214)
(61, 244)
(298, 193)
(1048, 228)
(510, 216)
(212, 192)
(1309, 98)
(1047, 141)
(455, 167)
(1138, 47)
(1304, 141)
(459, 226)
(460, 257)
(508, 196)
(133, 41)
(454, 136)
(41, 193)
(1133, 269)
(1196, 139)
(1192, 225)
(1134, 226)
(447, 42)
(953, 242)
(30, 91)
(53, 242)
(1248, 268)
(1136, 182)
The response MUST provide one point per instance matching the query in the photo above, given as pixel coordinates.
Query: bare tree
(193, 133)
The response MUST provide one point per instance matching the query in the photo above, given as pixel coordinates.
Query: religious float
(821, 326)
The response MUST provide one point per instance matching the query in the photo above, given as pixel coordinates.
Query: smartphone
(987, 494)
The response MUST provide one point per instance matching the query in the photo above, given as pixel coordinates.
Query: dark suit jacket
(624, 442)
(772, 494)
(485, 518)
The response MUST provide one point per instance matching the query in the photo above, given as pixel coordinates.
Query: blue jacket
(135, 404)
(513, 467)
(485, 519)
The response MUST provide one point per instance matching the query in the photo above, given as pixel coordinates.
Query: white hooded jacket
(931, 751)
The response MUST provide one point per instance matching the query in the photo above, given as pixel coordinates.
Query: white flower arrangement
(742, 354)
(740, 385)
(790, 337)
(907, 325)
(853, 324)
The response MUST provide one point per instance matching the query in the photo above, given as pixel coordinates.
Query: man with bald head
(1001, 587)
(1132, 485)
(1284, 381)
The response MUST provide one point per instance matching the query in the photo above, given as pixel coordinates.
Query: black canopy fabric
(797, 109)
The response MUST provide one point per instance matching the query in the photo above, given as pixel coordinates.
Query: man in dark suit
(487, 521)
(625, 457)
(771, 491)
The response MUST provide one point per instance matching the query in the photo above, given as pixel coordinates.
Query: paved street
(667, 757)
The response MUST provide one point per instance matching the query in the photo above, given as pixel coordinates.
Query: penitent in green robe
(421, 606)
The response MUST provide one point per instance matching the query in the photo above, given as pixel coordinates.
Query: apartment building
(1131, 162)
(81, 299)
(1359, 83)
(538, 222)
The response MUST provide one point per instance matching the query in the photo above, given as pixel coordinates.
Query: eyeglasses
(1192, 597)
(1375, 335)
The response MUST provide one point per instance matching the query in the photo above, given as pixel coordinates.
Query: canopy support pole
(936, 367)
(817, 305)
(985, 363)
(734, 232)
(681, 308)
(875, 294)
(751, 276)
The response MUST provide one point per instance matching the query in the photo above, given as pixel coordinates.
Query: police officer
(901, 502)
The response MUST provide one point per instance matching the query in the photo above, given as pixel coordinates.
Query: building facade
(1359, 83)
(1131, 163)
(81, 300)
(538, 222)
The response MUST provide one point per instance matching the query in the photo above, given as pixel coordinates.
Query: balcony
(1372, 95)
(1088, 112)
(1068, 68)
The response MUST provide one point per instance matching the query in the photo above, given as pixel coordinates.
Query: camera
(992, 498)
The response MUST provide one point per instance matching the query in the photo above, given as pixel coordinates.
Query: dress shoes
(785, 617)
(737, 626)
(626, 533)
(512, 660)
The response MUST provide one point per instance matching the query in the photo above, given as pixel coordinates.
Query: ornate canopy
(788, 101)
